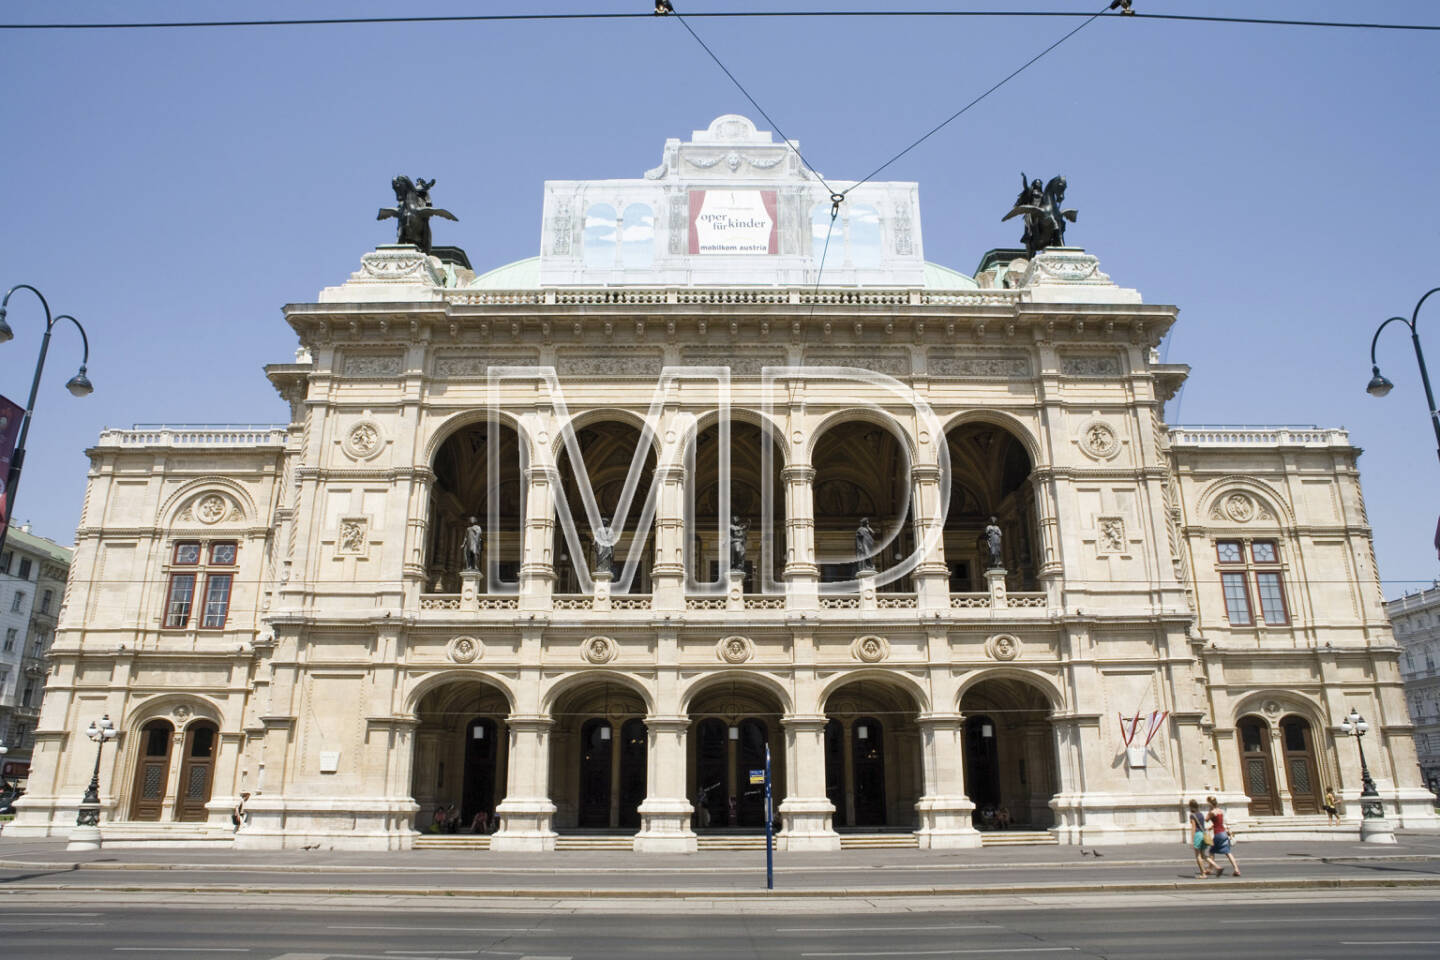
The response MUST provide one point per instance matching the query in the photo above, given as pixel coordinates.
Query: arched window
(598, 238)
(637, 236)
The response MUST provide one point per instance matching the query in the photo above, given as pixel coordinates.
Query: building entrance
(196, 772)
(1257, 769)
(872, 756)
(598, 757)
(1011, 770)
(732, 724)
(460, 757)
(1300, 766)
(152, 770)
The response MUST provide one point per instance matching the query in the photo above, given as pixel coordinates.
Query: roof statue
(413, 211)
(1044, 216)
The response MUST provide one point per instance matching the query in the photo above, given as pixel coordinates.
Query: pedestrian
(1002, 817)
(1200, 841)
(452, 819)
(1332, 807)
(238, 816)
(437, 820)
(1216, 816)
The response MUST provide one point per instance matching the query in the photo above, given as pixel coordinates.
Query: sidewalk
(45, 864)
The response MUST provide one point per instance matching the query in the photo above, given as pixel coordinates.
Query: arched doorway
(152, 770)
(1011, 763)
(755, 465)
(873, 771)
(862, 473)
(732, 723)
(989, 476)
(1301, 769)
(598, 757)
(460, 753)
(607, 449)
(477, 474)
(197, 771)
(1257, 769)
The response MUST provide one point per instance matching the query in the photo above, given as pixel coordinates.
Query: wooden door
(196, 772)
(1300, 766)
(152, 770)
(1257, 769)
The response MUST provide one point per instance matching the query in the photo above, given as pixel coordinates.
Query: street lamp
(79, 385)
(86, 835)
(1379, 386)
(1373, 825)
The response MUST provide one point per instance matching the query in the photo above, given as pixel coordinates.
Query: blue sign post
(769, 828)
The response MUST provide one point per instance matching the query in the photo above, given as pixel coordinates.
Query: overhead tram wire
(733, 14)
(958, 113)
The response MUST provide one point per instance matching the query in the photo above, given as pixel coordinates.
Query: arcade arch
(1011, 759)
(607, 448)
(598, 756)
(731, 722)
(873, 773)
(754, 482)
(478, 473)
(862, 472)
(990, 472)
(461, 752)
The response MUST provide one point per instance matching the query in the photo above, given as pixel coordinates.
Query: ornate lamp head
(1378, 385)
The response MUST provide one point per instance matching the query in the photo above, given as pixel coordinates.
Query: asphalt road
(1372, 924)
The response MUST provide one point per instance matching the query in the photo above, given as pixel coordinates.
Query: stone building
(33, 571)
(734, 462)
(1416, 617)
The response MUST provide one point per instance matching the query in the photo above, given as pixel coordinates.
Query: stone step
(154, 833)
(595, 843)
(878, 841)
(1018, 838)
(457, 842)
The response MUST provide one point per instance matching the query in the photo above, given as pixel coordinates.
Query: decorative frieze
(1009, 366)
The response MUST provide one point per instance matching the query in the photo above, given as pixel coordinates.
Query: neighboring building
(288, 611)
(1416, 619)
(33, 571)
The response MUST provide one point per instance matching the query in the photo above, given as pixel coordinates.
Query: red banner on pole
(10, 415)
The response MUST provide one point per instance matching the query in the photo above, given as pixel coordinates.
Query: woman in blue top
(1203, 861)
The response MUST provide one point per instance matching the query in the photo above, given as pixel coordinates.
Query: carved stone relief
(1007, 365)
(1110, 534)
(741, 363)
(1003, 646)
(363, 441)
(870, 649)
(1098, 440)
(372, 365)
(353, 536)
(1100, 365)
(894, 362)
(735, 649)
(466, 649)
(599, 650)
(1239, 507)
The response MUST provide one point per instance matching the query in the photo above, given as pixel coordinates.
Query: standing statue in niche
(603, 550)
(472, 546)
(1043, 213)
(992, 542)
(738, 529)
(413, 211)
(864, 546)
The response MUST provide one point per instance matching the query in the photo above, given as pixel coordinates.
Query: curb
(590, 893)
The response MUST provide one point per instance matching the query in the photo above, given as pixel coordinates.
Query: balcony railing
(194, 435)
(1224, 435)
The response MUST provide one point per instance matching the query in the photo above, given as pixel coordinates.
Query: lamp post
(79, 385)
(1379, 386)
(86, 835)
(1374, 828)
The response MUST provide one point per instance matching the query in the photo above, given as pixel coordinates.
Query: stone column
(944, 811)
(537, 565)
(806, 814)
(667, 576)
(527, 810)
(665, 814)
(932, 576)
(802, 575)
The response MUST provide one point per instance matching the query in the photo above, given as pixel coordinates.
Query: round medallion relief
(870, 649)
(599, 650)
(1240, 508)
(210, 508)
(1003, 646)
(1098, 440)
(182, 712)
(1270, 707)
(735, 649)
(466, 649)
(363, 441)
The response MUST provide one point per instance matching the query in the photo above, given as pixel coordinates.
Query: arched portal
(197, 771)
(1257, 768)
(862, 473)
(598, 756)
(478, 471)
(873, 771)
(755, 462)
(732, 722)
(607, 449)
(1011, 765)
(152, 770)
(989, 476)
(1301, 770)
(460, 754)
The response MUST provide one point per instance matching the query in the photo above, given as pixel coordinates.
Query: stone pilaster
(665, 814)
(668, 574)
(802, 575)
(806, 813)
(527, 811)
(537, 566)
(944, 811)
(932, 576)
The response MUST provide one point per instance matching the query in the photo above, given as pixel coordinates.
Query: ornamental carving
(352, 536)
(870, 649)
(211, 508)
(1239, 507)
(1003, 646)
(896, 363)
(372, 365)
(1009, 366)
(181, 712)
(1098, 440)
(735, 649)
(1111, 534)
(599, 650)
(741, 364)
(392, 265)
(628, 363)
(1098, 366)
(466, 649)
(363, 441)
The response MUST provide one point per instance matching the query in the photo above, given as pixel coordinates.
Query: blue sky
(174, 188)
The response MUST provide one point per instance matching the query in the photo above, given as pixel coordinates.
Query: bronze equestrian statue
(1044, 216)
(413, 211)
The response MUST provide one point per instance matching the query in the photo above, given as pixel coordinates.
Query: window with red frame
(1247, 565)
(193, 562)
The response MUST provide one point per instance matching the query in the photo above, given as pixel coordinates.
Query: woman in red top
(1216, 816)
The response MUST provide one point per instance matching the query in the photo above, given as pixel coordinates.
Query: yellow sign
(757, 776)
